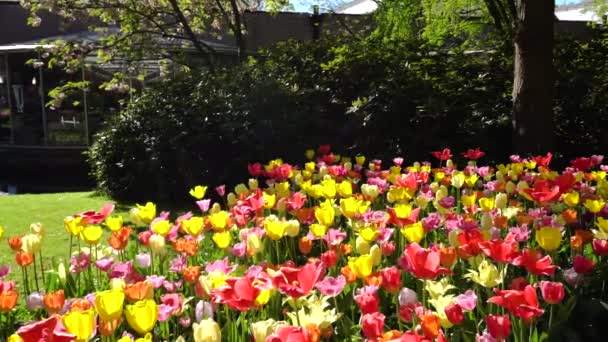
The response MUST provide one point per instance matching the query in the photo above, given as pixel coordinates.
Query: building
(35, 136)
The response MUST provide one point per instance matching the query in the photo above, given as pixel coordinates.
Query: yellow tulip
(15, 338)
(471, 180)
(282, 189)
(397, 194)
(30, 243)
(146, 213)
(362, 265)
(325, 213)
(262, 329)
(413, 232)
(362, 246)
(109, 304)
(345, 189)
(114, 223)
(198, 191)
(549, 238)
(219, 220)
(360, 160)
(486, 203)
(370, 191)
(274, 229)
(501, 200)
(376, 253)
(487, 275)
(80, 324)
(162, 227)
(469, 200)
(142, 315)
(438, 288)
(602, 224)
(293, 228)
(74, 225)
(269, 200)
(458, 180)
(263, 298)
(91, 234)
(369, 232)
(193, 226)
(222, 239)
(310, 153)
(572, 198)
(254, 244)
(241, 189)
(594, 206)
(206, 330)
(328, 188)
(148, 338)
(318, 230)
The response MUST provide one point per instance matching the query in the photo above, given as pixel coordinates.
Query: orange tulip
(576, 243)
(191, 274)
(54, 301)
(24, 259)
(120, 238)
(374, 279)
(447, 256)
(314, 332)
(346, 248)
(108, 328)
(15, 243)
(80, 304)
(430, 326)
(500, 221)
(569, 215)
(8, 300)
(305, 245)
(350, 276)
(139, 291)
(391, 335)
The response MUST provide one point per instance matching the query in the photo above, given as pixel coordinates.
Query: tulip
(30, 243)
(35, 301)
(142, 315)
(54, 301)
(422, 263)
(552, 292)
(487, 275)
(193, 226)
(81, 324)
(157, 244)
(372, 325)
(222, 239)
(198, 191)
(8, 300)
(362, 265)
(454, 313)
(109, 304)
(499, 326)
(549, 238)
(114, 223)
(145, 213)
(262, 329)
(91, 234)
(594, 206)
(413, 232)
(207, 330)
(431, 326)
(143, 260)
(219, 220)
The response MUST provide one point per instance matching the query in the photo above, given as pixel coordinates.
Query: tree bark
(532, 117)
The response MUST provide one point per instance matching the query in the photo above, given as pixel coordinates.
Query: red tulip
(372, 325)
(552, 292)
(469, 243)
(423, 263)
(543, 161)
(297, 282)
(583, 265)
(499, 250)
(523, 304)
(499, 326)
(600, 247)
(474, 154)
(44, 331)
(391, 279)
(542, 191)
(445, 154)
(289, 334)
(535, 263)
(454, 313)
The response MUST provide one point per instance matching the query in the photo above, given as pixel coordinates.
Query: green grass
(17, 212)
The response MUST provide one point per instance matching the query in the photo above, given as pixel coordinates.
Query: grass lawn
(17, 212)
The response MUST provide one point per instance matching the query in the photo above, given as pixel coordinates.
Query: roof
(358, 7)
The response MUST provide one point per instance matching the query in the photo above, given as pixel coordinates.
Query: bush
(381, 99)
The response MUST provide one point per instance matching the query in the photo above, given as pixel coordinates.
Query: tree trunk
(238, 30)
(532, 119)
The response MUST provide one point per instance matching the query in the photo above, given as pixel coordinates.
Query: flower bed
(339, 249)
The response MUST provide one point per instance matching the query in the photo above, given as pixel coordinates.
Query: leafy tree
(133, 30)
(526, 24)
